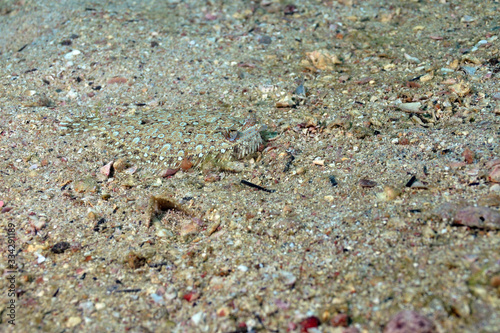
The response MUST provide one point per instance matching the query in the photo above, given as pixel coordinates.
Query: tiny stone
(495, 281)
(265, 40)
(60, 247)
(494, 175)
(495, 188)
(367, 183)
(100, 306)
(391, 193)
(73, 321)
(478, 217)
(329, 198)
(300, 171)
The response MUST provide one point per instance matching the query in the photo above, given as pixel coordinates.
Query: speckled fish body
(165, 138)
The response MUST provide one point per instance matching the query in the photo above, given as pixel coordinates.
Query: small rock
(117, 80)
(72, 54)
(478, 217)
(300, 171)
(100, 306)
(494, 175)
(191, 296)
(60, 247)
(266, 40)
(197, 318)
(410, 107)
(495, 188)
(390, 193)
(418, 185)
(367, 183)
(467, 19)
(329, 198)
(410, 322)
(309, 322)
(495, 281)
(73, 321)
(40, 258)
(411, 59)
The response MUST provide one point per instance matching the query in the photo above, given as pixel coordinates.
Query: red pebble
(309, 322)
(191, 296)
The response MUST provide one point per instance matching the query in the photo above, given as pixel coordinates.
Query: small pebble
(73, 321)
(390, 193)
(265, 40)
(117, 80)
(478, 217)
(72, 54)
(60, 247)
(191, 296)
(495, 281)
(494, 175)
(300, 171)
(309, 322)
(495, 188)
(367, 183)
(411, 59)
(197, 318)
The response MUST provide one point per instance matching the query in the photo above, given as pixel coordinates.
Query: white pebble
(70, 55)
(197, 318)
(243, 268)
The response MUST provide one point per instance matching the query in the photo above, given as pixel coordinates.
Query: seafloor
(382, 161)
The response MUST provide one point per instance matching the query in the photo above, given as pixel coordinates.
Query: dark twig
(244, 182)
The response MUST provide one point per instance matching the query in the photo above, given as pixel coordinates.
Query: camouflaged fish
(165, 138)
